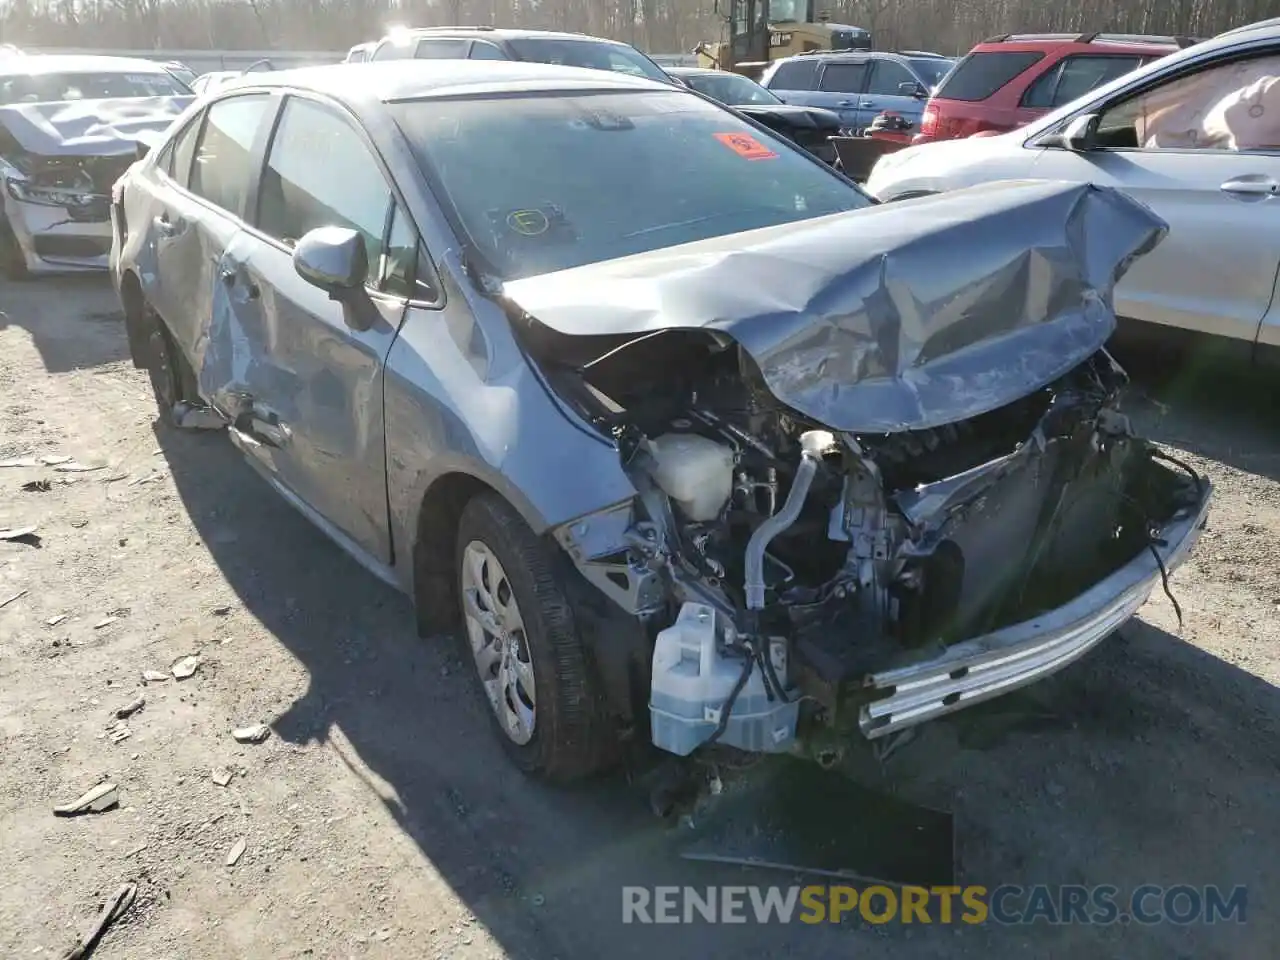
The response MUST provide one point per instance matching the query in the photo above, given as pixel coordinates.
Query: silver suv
(1195, 137)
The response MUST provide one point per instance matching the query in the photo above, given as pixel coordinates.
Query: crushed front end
(881, 465)
(794, 576)
(58, 209)
(58, 164)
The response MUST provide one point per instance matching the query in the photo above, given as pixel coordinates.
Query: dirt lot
(380, 818)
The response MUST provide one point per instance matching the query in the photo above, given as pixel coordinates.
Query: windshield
(931, 69)
(601, 176)
(730, 88)
(48, 87)
(587, 53)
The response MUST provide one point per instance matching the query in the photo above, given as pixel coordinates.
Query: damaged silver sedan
(695, 441)
(69, 127)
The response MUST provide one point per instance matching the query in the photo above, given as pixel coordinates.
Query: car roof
(1264, 30)
(65, 62)
(700, 72)
(1022, 43)
(393, 80)
(505, 33)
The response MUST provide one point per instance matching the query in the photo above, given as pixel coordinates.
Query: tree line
(657, 26)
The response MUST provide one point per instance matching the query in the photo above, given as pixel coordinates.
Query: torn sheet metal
(90, 127)
(901, 316)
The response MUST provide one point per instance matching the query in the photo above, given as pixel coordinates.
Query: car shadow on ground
(41, 307)
(543, 868)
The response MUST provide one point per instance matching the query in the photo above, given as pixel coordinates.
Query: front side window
(406, 272)
(221, 170)
(441, 49)
(794, 75)
(320, 173)
(483, 50)
(608, 175)
(592, 54)
(1073, 77)
(887, 79)
(843, 77)
(730, 88)
(1225, 106)
(981, 74)
(49, 87)
(931, 69)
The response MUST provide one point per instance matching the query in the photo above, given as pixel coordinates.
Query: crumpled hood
(90, 127)
(901, 316)
(797, 117)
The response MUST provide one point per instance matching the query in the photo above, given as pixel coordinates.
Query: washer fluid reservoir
(694, 471)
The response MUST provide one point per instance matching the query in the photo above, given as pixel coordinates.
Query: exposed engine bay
(776, 561)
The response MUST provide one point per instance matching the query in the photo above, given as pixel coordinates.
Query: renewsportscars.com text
(1007, 904)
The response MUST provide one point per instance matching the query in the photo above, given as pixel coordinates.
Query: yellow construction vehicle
(760, 31)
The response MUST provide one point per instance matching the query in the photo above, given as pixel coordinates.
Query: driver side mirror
(913, 89)
(1080, 135)
(335, 260)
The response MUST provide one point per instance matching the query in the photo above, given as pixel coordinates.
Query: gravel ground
(380, 818)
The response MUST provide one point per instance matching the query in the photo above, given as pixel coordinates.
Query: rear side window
(1074, 77)
(844, 77)
(794, 75)
(979, 75)
(441, 50)
(182, 150)
(221, 171)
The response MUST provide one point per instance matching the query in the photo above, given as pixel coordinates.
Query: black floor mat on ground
(793, 815)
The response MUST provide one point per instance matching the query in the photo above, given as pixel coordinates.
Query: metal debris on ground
(54, 621)
(75, 466)
(147, 478)
(53, 459)
(255, 733)
(102, 797)
(221, 776)
(184, 667)
(38, 486)
(236, 852)
(118, 732)
(132, 707)
(105, 622)
(114, 909)
(17, 596)
(154, 676)
(18, 533)
(20, 462)
(134, 851)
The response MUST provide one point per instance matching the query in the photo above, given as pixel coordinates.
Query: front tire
(532, 665)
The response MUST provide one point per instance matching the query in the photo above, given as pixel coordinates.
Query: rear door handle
(866, 103)
(1247, 186)
(165, 226)
(846, 103)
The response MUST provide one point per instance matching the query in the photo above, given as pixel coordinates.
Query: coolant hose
(813, 444)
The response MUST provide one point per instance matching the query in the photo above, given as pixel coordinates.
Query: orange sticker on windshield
(745, 145)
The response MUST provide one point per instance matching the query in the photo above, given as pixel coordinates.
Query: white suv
(1195, 136)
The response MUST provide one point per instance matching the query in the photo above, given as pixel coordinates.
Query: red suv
(1010, 80)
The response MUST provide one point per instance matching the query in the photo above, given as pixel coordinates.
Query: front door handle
(164, 226)
(1247, 186)
(845, 103)
(251, 289)
(866, 103)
